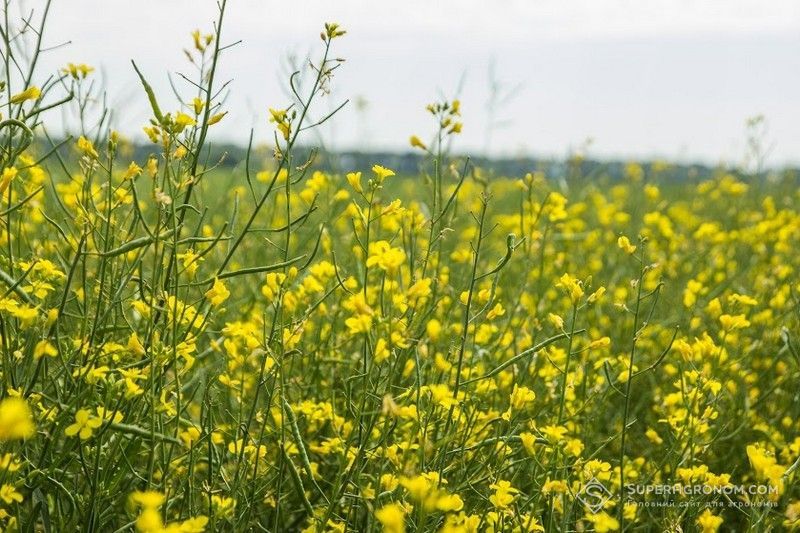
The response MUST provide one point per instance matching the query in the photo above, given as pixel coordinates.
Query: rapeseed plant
(188, 348)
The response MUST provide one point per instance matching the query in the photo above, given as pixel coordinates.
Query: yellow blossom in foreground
(31, 93)
(16, 421)
(150, 521)
(767, 469)
(148, 498)
(9, 494)
(392, 518)
(709, 522)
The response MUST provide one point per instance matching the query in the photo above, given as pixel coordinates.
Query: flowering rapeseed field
(188, 349)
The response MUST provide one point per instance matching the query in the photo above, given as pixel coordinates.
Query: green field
(273, 347)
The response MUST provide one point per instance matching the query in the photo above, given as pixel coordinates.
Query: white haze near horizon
(663, 78)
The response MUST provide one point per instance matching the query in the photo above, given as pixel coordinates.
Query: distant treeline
(230, 156)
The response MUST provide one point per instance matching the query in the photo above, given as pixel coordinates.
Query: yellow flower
(381, 351)
(392, 518)
(420, 289)
(197, 105)
(495, 312)
(354, 179)
(572, 287)
(693, 289)
(31, 93)
(742, 299)
(84, 425)
(596, 295)
(132, 171)
(504, 494)
(201, 41)
(434, 329)
(733, 322)
(553, 433)
(277, 115)
(382, 172)
(86, 147)
(223, 506)
(625, 244)
(603, 522)
(152, 167)
(281, 119)
(653, 436)
(556, 320)
(419, 487)
(44, 348)
(383, 255)
(361, 323)
(333, 30)
(218, 293)
(767, 469)
(108, 415)
(520, 398)
(709, 522)
(79, 71)
(602, 342)
(190, 261)
(182, 120)
(528, 442)
(9, 494)
(416, 142)
(148, 499)
(16, 421)
(554, 486)
(466, 523)
(216, 118)
(150, 521)
(9, 173)
(449, 503)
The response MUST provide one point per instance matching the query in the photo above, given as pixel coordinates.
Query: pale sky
(666, 78)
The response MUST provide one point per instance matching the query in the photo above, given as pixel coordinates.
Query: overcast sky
(669, 78)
